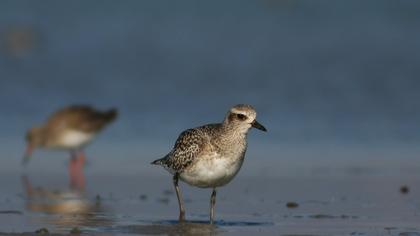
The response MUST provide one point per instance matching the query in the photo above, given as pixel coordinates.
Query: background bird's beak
(27, 155)
(259, 126)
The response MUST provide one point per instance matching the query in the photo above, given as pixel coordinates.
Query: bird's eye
(241, 116)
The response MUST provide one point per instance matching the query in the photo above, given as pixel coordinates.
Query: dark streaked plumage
(188, 146)
(210, 156)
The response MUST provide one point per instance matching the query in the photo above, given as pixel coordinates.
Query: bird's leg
(179, 196)
(73, 155)
(77, 178)
(77, 158)
(73, 162)
(81, 158)
(212, 204)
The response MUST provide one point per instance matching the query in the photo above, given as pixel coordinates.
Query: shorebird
(70, 128)
(210, 156)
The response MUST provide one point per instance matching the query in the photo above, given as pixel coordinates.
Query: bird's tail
(160, 161)
(110, 115)
(157, 162)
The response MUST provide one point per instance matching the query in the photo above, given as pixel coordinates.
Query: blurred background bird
(70, 128)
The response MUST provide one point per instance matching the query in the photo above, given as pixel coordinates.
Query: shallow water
(340, 201)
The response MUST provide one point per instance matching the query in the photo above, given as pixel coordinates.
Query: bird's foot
(181, 218)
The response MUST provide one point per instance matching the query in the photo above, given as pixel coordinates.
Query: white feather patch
(212, 172)
(74, 139)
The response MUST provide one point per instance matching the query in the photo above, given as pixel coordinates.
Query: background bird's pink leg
(77, 177)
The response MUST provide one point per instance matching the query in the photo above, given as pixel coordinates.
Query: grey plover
(70, 128)
(210, 156)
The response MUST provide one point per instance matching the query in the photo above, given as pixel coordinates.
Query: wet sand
(322, 203)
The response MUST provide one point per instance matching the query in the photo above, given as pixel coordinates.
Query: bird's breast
(69, 139)
(213, 170)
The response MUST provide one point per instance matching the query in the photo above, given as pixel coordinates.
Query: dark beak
(28, 154)
(259, 126)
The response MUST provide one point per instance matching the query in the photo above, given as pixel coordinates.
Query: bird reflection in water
(66, 208)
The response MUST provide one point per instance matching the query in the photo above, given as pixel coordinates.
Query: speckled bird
(210, 156)
(70, 128)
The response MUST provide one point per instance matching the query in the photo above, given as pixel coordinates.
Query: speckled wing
(187, 147)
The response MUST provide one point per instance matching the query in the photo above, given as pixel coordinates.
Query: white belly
(74, 139)
(212, 172)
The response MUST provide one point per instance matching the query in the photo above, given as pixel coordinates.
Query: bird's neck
(231, 133)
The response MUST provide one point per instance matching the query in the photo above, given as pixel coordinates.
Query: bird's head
(243, 117)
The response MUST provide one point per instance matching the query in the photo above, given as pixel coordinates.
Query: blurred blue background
(323, 75)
